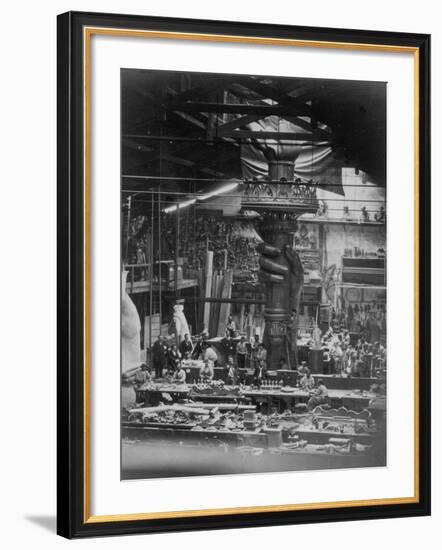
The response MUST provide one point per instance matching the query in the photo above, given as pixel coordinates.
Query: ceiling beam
(201, 90)
(240, 108)
(298, 108)
(257, 112)
(132, 144)
(191, 119)
(277, 136)
(291, 108)
(236, 123)
(308, 126)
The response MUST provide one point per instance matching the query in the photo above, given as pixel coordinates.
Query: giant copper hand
(282, 267)
(283, 275)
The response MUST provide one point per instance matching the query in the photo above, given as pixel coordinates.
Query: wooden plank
(212, 291)
(200, 309)
(241, 318)
(212, 322)
(225, 259)
(217, 305)
(215, 310)
(225, 307)
(151, 329)
(208, 287)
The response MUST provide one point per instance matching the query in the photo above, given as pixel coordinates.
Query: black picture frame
(72, 519)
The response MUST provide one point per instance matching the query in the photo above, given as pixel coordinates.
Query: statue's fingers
(268, 250)
(273, 267)
(267, 277)
(293, 258)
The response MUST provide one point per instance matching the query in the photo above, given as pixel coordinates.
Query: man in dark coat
(159, 356)
(229, 346)
(186, 347)
(173, 357)
(259, 372)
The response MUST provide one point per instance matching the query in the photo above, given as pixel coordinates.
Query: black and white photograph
(230, 213)
(253, 266)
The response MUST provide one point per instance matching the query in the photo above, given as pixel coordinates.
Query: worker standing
(259, 373)
(241, 353)
(159, 356)
(232, 372)
(186, 347)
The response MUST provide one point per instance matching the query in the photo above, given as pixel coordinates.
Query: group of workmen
(166, 356)
(360, 359)
(167, 362)
(167, 359)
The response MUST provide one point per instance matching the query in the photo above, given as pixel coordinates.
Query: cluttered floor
(212, 428)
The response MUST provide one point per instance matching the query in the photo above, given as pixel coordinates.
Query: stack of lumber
(216, 285)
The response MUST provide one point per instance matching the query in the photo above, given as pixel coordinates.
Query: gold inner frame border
(88, 32)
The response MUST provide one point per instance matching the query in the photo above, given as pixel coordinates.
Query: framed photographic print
(243, 274)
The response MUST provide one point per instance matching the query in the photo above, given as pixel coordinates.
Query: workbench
(274, 397)
(153, 396)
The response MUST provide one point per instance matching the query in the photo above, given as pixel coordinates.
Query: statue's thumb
(290, 254)
(293, 259)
